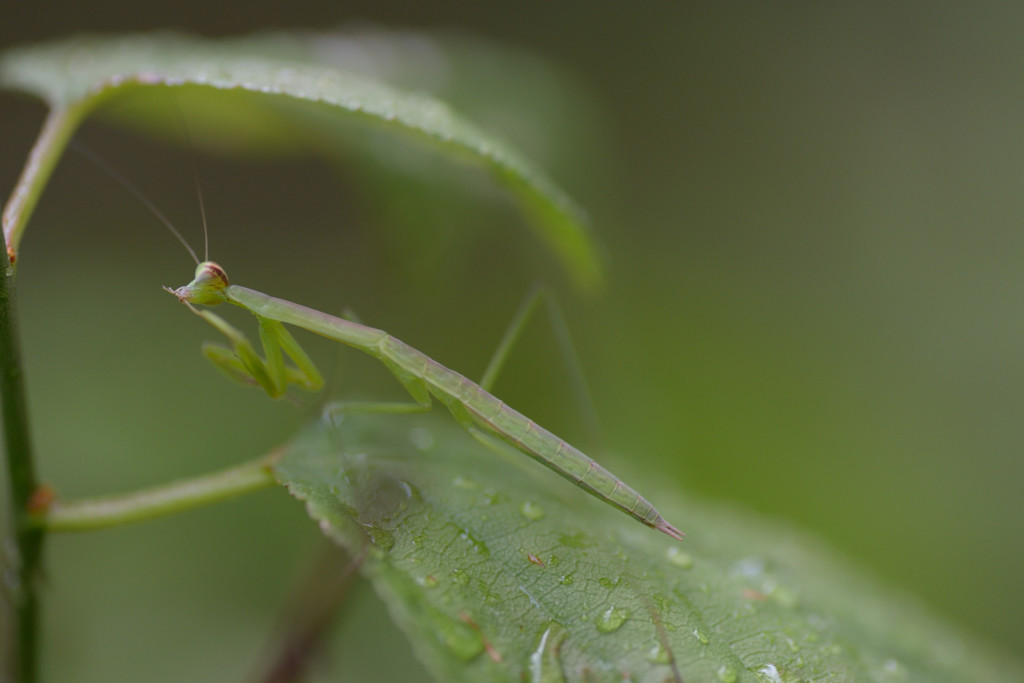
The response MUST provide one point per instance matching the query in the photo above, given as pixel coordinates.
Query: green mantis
(478, 411)
(424, 378)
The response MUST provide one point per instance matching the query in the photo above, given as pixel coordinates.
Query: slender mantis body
(471, 405)
(478, 411)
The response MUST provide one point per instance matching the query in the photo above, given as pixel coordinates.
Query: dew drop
(679, 558)
(658, 654)
(382, 538)
(784, 597)
(532, 511)
(428, 581)
(461, 482)
(892, 670)
(749, 567)
(566, 580)
(545, 666)
(612, 619)
(727, 674)
(461, 638)
(769, 674)
(608, 583)
(701, 636)
(478, 546)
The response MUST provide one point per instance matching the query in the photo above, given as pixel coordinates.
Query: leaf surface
(281, 90)
(497, 570)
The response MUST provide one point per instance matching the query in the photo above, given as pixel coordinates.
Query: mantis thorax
(207, 287)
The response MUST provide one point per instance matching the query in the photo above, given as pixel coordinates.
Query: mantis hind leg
(416, 387)
(511, 336)
(577, 379)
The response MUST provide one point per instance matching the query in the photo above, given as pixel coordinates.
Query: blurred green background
(813, 305)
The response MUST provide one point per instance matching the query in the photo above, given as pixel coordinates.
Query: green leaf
(285, 90)
(498, 570)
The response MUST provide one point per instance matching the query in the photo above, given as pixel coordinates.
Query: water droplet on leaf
(461, 638)
(612, 619)
(769, 674)
(382, 538)
(892, 670)
(545, 666)
(460, 577)
(532, 511)
(727, 674)
(478, 546)
(750, 566)
(658, 654)
(784, 597)
(461, 482)
(679, 558)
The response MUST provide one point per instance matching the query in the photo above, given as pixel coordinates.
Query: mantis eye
(207, 286)
(210, 274)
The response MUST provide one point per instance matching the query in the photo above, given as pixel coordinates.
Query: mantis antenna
(195, 177)
(127, 184)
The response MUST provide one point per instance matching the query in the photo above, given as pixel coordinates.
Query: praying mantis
(478, 411)
(424, 378)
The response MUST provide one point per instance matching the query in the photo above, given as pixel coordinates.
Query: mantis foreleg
(243, 364)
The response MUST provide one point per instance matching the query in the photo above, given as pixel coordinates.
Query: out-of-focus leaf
(498, 570)
(258, 87)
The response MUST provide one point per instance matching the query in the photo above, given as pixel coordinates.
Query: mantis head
(207, 287)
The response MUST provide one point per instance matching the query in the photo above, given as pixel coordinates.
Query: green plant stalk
(99, 513)
(57, 131)
(21, 650)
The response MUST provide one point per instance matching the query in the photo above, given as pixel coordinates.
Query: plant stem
(315, 601)
(98, 513)
(60, 125)
(26, 556)
(21, 660)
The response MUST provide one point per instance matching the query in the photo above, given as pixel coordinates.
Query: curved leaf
(82, 72)
(498, 571)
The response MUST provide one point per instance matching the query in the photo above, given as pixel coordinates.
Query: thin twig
(309, 613)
